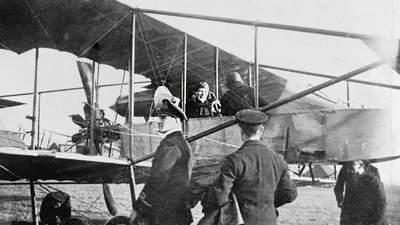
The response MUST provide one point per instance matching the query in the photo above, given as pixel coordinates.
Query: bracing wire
(41, 25)
(120, 92)
(180, 61)
(90, 205)
(108, 31)
(147, 50)
(173, 59)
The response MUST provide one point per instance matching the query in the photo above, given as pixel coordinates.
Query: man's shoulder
(242, 88)
(174, 138)
(227, 94)
(257, 147)
(369, 179)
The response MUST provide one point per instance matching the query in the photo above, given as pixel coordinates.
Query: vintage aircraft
(304, 129)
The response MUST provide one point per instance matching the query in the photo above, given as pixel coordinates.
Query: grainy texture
(314, 205)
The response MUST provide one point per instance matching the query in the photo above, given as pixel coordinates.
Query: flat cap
(232, 78)
(59, 196)
(203, 85)
(251, 119)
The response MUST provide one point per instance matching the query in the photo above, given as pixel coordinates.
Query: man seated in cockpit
(202, 102)
(102, 121)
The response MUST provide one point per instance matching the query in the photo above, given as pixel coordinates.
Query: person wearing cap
(345, 175)
(55, 207)
(202, 103)
(364, 201)
(370, 169)
(256, 175)
(164, 196)
(239, 96)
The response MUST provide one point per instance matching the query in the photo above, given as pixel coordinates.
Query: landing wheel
(118, 220)
(124, 220)
(74, 221)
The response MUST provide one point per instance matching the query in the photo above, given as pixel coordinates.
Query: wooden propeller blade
(109, 199)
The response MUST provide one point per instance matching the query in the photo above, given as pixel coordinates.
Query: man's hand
(135, 219)
(216, 107)
(133, 216)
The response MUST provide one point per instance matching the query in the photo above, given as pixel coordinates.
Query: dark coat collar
(253, 142)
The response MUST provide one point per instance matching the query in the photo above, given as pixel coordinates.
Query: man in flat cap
(239, 96)
(257, 176)
(203, 103)
(164, 196)
(56, 207)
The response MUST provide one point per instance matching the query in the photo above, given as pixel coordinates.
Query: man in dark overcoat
(364, 201)
(257, 176)
(164, 196)
(345, 174)
(239, 96)
(202, 103)
(55, 207)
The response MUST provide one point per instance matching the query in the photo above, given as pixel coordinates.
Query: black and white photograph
(199, 112)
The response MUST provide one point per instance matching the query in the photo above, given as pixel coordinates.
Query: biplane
(303, 128)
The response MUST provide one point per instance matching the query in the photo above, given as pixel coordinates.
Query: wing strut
(279, 103)
(131, 108)
(33, 202)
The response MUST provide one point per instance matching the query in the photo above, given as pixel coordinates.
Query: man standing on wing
(164, 196)
(257, 176)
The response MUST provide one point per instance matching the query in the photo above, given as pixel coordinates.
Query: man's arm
(152, 192)
(339, 187)
(286, 190)
(380, 203)
(225, 105)
(217, 195)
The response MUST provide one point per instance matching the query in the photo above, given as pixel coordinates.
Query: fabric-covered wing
(98, 30)
(16, 164)
(102, 31)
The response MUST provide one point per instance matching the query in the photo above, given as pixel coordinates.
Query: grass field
(314, 205)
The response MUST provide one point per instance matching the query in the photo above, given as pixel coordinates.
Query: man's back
(254, 174)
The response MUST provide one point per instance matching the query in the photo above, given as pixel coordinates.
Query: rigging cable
(41, 25)
(101, 37)
(147, 50)
(180, 61)
(173, 59)
(120, 92)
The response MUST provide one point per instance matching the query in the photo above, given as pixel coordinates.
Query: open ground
(314, 205)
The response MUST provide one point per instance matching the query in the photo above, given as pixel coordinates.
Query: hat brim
(251, 127)
(59, 196)
(178, 109)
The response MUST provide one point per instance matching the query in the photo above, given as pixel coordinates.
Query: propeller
(86, 73)
(109, 199)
